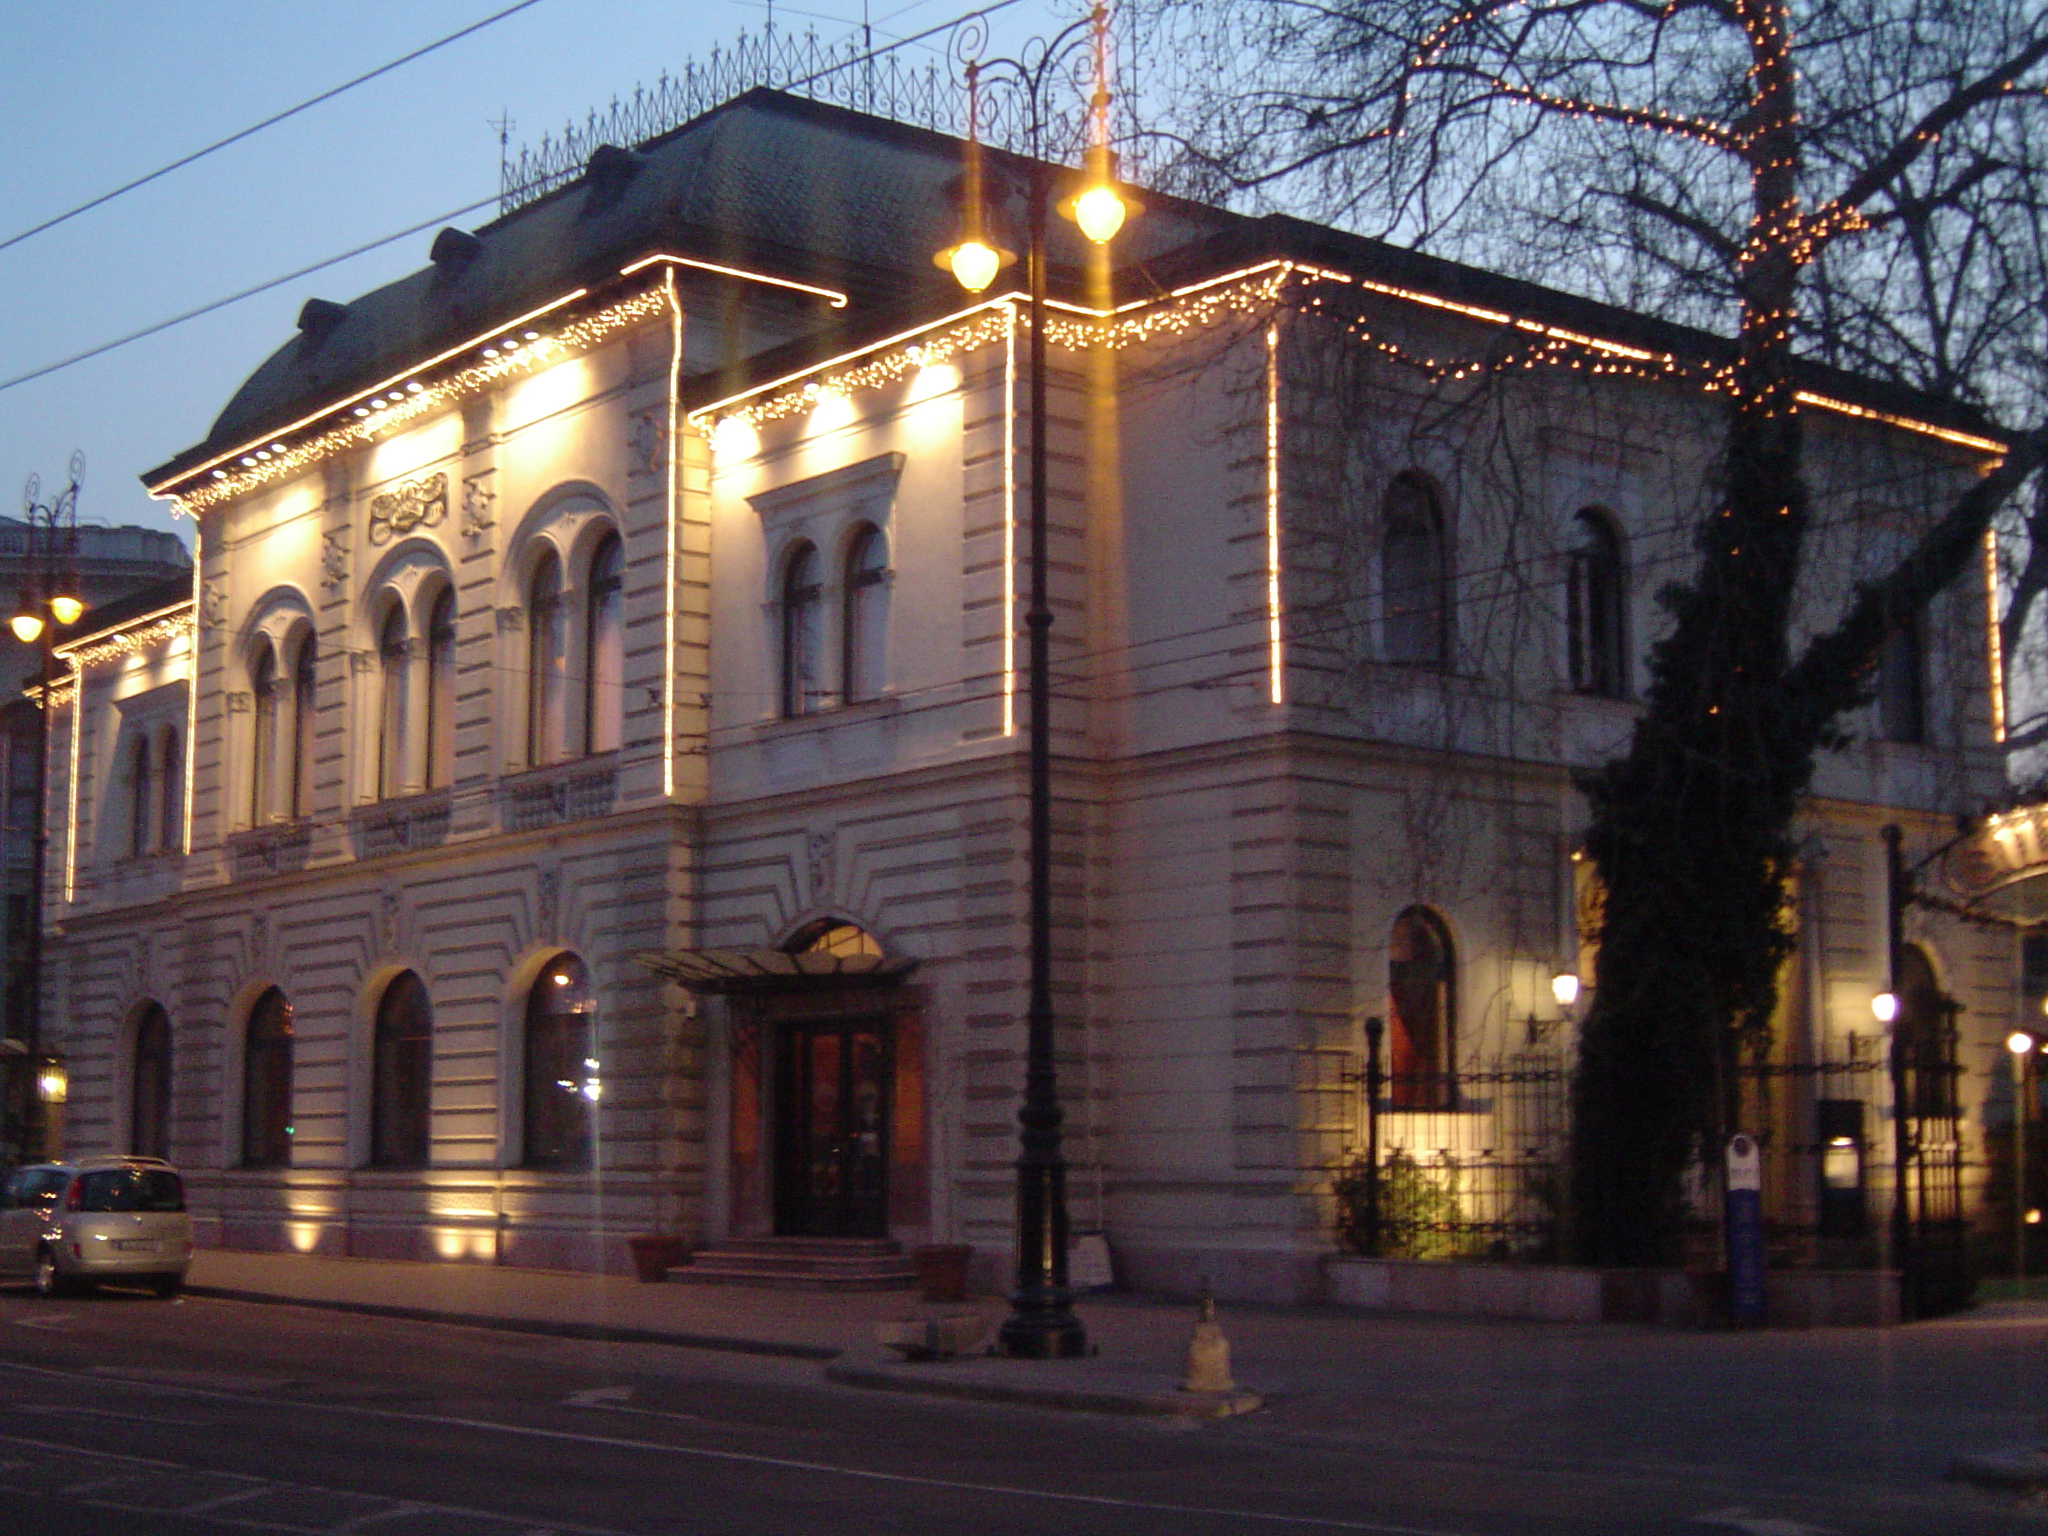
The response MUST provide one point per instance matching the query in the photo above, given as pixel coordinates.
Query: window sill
(392, 826)
(836, 714)
(573, 790)
(275, 848)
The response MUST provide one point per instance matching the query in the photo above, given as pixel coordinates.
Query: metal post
(1041, 1324)
(1901, 1223)
(1375, 1028)
(2022, 1062)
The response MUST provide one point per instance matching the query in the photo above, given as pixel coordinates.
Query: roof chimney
(455, 249)
(609, 170)
(318, 317)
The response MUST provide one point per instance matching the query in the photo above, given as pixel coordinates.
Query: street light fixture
(1041, 1324)
(50, 584)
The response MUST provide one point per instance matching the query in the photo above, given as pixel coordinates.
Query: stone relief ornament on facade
(548, 902)
(648, 440)
(387, 926)
(239, 703)
(823, 851)
(213, 602)
(361, 662)
(477, 503)
(420, 503)
(334, 557)
(259, 942)
(511, 619)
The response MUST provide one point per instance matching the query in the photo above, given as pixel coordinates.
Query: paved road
(122, 1415)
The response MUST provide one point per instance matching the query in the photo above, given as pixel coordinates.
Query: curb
(601, 1332)
(2009, 1472)
(911, 1379)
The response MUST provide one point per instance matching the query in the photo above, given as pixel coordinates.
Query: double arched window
(563, 1078)
(141, 797)
(863, 595)
(170, 791)
(305, 707)
(394, 658)
(401, 1075)
(604, 648)
(149, 1092)
(267, 1083)
(547, 663)
(263, 748)
(1421, 1011)
(576, 654)
(1415, 577)
(1595, 607)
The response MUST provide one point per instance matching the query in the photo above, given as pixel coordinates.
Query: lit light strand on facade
(1276, 691)
(1994, 641)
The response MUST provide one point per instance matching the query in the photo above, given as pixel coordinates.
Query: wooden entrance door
(832, 1141)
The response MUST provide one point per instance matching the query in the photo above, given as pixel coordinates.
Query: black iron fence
(1470, 1164)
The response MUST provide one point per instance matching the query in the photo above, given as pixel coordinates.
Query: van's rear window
(131, 1189)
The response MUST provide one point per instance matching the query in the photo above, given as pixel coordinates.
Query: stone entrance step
(802, 1264)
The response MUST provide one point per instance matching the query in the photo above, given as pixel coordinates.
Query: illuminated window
(562, 1075)
(267, 1083)
(441, 690)
(140, 801)
(803, 606)
(1902, 683)
(394, 655)
(305, 706)
(1421, 999)
(171, 792)
(1595, 591)
(263, 746)
(1415, 622)
(604, 643)
(401, 1076)
(547, 664)
(149, 1102)
(866, 615)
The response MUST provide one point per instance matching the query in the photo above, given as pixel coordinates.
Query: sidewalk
(1137, 1371)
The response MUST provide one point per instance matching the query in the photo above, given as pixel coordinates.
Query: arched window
(393, 656)
(1925, 1025)
(803, 604)
(141, 801)
(171, 792)
(604, 641)
(441, 690)
(1594, 592)
(866, 615)
(562, 1073)
(267, 1083)
(1414, 577)
(1421, 1009)
(149, 1100)
(263, 747)
(1902, 683)
(547, 663)
(305, 708)
(401, 1075)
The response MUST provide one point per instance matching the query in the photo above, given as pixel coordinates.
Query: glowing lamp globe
(66, 608)
(2019, 1042)
(974, 264)
(1100, 213)
(27, 627)
(1564, 986)
(1885, 1006)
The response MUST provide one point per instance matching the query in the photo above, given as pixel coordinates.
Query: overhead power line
(255, 128)
(246, 293)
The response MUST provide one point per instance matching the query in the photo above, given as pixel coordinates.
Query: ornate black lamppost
(1041, 1324)
(49, 598)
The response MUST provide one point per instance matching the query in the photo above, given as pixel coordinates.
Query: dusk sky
(99, 94)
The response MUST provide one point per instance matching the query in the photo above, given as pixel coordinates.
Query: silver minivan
(69, 1225)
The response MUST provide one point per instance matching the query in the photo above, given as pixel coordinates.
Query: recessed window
(604, 642)
(1415, 621)
(141, 801)
(563, 1078)
(149, 1102)
(866, 615)
(803, 613)
(1421, 997)
(263, 746)
(267, 1083)
(1902, 683)
(393, 656)
(171, 792)
(547, 664)
(1594, 617)
(305, 707)
(441, 689)
(401, 1073)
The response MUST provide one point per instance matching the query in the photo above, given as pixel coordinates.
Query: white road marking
(1740, 1519)
(600, 1397)
(261, 1490)
(782, 1463)
(101, 1413)
(48, 1324)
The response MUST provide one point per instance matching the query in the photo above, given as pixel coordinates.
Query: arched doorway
(834, 1070)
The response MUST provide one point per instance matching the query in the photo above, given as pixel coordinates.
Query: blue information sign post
(1744, 1218)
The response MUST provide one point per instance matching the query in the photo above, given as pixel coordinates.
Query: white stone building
(643, 577)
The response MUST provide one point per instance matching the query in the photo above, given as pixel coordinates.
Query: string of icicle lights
(420, 398)
(1255, 294)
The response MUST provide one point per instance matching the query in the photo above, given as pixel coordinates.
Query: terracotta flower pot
(942, 1270)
